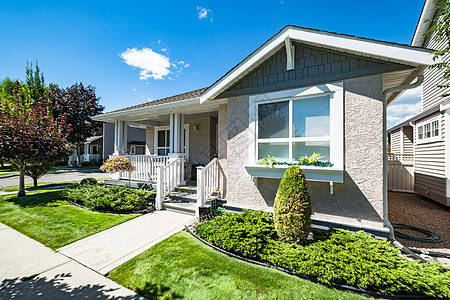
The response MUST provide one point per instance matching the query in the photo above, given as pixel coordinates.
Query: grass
(183, 267)
(7, 170)
(15, 188)
(45, 217)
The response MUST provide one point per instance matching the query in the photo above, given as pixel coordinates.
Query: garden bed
(111, 199)
(335, 258)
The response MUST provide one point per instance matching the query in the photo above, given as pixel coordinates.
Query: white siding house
(429, 142)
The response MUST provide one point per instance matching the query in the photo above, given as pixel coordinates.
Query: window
(435, 128)
(294, 128)
(162, 141)
(428, 131)
(290, 124)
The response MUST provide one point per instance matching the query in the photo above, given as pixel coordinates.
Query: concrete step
(184, 208)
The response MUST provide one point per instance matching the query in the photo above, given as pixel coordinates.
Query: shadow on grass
(157, 291)
(55, 288)
(39, 199)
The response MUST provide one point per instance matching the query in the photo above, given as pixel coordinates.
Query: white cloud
(405, 107)
(203, 13)
(134, 90)
(164, 50)
(152, 64)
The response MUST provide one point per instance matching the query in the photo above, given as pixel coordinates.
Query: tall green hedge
(292, 208)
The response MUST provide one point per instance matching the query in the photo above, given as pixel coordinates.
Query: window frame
(166, 128)
(429, 123)
(336, 137)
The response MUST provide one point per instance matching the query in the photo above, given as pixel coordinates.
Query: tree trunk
(21, 192)
(2, 163)
(78, 155)
(35, 183)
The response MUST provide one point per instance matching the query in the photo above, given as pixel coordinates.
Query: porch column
(176, 133)
(86, 151)
(120, 137)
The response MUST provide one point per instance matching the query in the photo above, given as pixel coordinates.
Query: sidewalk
(30, 270)
(110, 248)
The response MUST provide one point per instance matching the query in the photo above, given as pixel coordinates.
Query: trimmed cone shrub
(292, 207)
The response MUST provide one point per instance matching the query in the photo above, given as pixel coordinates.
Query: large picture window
(292, 128)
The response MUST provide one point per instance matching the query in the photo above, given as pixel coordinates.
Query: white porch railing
(146, 166)
(168, 177)
(207, 181)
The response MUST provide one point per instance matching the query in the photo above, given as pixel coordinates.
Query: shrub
(334, 257)
(106, 198)
(244, 233)
(292, 207)
(89, 180)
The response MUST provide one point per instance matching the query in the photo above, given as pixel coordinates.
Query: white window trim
(431, 139)
(336, 92)
(160, 128)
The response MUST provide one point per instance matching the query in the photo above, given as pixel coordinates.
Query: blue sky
(137, 51)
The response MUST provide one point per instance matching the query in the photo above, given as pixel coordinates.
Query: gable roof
(393, 52)
(428, 12)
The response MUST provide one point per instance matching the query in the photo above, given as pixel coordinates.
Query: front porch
(181, 148)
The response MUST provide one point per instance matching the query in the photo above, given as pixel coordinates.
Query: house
(420, 143)
(302, 91)
(135, 140)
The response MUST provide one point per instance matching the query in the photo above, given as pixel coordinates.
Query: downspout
(385, 180)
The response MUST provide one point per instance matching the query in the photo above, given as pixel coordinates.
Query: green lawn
(7, 170)
(183, 267)
(44, 216)
(15, 188)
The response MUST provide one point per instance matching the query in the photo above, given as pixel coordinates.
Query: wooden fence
(400, 172)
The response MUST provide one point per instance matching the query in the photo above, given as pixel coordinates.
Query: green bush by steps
(108, 198)
(334, 257)
(292, 208)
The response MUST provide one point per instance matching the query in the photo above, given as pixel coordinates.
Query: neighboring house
(422, 140)
(92, 149)
(135, 140)
(302, 91)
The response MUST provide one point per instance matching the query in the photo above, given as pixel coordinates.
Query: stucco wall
(357, 200)
(222, 149)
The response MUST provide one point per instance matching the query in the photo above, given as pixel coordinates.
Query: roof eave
(428, 11)
(113, 116)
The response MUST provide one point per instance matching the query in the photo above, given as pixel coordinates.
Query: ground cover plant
(182, 267)
(109, 198)
(46, 217)
(334, 257)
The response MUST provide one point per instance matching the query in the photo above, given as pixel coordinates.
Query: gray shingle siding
(312, 65)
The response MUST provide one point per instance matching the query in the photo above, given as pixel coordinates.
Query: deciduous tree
(28, 133)
(78, 104)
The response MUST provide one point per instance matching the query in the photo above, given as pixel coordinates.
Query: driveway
(55, 177)
(30, 270)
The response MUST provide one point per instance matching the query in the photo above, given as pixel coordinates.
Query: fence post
(200, 190)
(159, 187)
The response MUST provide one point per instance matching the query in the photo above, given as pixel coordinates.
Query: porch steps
(184, 200)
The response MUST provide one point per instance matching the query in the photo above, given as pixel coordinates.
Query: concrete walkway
(109, 249)
(29, 270)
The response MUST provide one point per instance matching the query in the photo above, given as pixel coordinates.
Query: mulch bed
(418, 211)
